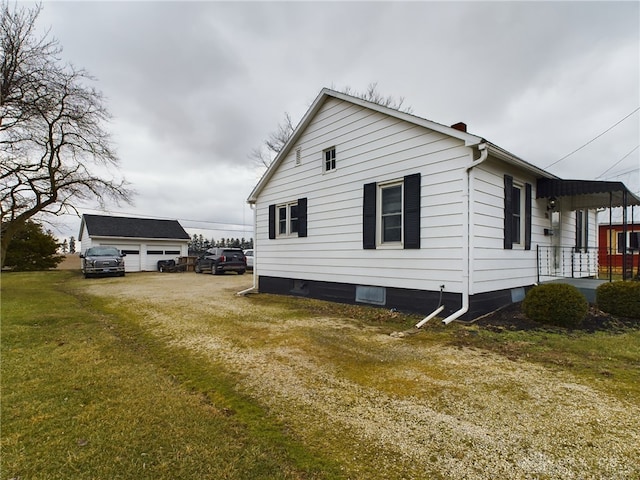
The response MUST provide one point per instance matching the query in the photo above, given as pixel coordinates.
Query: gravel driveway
(420, 408)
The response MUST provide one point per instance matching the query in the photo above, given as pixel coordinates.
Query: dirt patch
(513, 318)
(71, 262)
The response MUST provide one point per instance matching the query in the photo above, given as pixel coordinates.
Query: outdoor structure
(144, 240)
(372, 205)
(619, 247)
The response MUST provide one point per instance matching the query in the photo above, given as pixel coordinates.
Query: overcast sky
(193, 87)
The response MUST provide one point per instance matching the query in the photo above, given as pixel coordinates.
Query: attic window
(329, 156)
(299, 156)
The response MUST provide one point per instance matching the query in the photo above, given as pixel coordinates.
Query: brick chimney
(460, 126)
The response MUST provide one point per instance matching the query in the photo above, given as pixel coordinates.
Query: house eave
(510, 158)
(140, 239)
(468, 139)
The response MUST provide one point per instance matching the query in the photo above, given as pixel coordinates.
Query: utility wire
(623, 172)
(593, 139)
(618, 162)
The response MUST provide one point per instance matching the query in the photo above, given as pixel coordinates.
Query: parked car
(249, 255)
(220, 260)
(102, 260)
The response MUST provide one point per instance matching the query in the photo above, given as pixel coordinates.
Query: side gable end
(315, 107)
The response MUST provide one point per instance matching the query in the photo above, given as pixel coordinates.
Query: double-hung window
(391, 214)
(288, 219)
(517, 214)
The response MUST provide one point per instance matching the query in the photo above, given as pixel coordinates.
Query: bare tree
(372, 95)
(276, 141)
(54, 149)
(265, 154)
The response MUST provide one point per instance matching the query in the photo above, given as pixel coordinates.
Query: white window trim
(335, 160)
(287, 207)
(520, 245)
(379, 243)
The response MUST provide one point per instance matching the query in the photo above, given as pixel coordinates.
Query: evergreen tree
(64, 246)
(72, 245)
(33, 249)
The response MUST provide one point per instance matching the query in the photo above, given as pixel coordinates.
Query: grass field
(100, 386)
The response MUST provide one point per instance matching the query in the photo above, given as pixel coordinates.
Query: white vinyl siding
(372, 148)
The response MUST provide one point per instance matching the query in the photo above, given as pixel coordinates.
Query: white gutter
(468, 229)
(430, 316)
(255, 250)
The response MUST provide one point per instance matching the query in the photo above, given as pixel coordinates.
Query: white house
(369, 204)
(144, 240)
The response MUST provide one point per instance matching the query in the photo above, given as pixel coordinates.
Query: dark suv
(102, 260)
(219, 260)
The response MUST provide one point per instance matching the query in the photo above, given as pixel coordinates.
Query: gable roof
(468, 139)
(106, 226)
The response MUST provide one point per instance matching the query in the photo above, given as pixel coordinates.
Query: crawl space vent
(372, 295)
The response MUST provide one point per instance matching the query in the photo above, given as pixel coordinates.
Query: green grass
(88, 392)
(89, 395)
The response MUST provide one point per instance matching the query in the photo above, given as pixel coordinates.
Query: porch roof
(587, 193)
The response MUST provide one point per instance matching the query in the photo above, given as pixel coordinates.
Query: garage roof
(106, 226)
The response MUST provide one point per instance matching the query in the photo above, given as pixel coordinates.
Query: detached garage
(144, 240)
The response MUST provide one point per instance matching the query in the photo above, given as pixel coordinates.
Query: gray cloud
(194, 86)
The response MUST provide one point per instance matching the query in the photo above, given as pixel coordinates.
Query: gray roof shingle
(106, 226)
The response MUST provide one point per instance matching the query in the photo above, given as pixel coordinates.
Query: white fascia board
(510, 158)
(469, 140)
(138, 239)
(302, 125)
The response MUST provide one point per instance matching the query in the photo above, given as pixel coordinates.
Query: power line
(593, 139)
(618, 162)
(623, 172)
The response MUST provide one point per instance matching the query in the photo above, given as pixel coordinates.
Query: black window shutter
(586, 230)
(508, 212)
(578, 230)
(272, 221)
(527, 216)
(369, 216)
(302, 217)
(412, 211)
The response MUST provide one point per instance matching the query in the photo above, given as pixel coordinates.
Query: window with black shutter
(288, 219)
(391, 214)
(517, 214)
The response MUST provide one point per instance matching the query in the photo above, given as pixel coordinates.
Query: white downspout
(468, 229)
(255, 251)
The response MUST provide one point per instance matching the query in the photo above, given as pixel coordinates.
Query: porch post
(610, 234)
(538, 260)
(625, 228)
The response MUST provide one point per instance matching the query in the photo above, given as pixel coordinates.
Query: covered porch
(585, 265)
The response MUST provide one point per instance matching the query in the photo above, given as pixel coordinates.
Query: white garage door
(132, 258)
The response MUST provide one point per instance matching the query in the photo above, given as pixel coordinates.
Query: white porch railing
(567, 262)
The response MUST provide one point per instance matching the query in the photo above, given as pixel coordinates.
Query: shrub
(557, 304)
(619, 298)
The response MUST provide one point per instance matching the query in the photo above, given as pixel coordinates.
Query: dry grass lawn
(386, 407)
